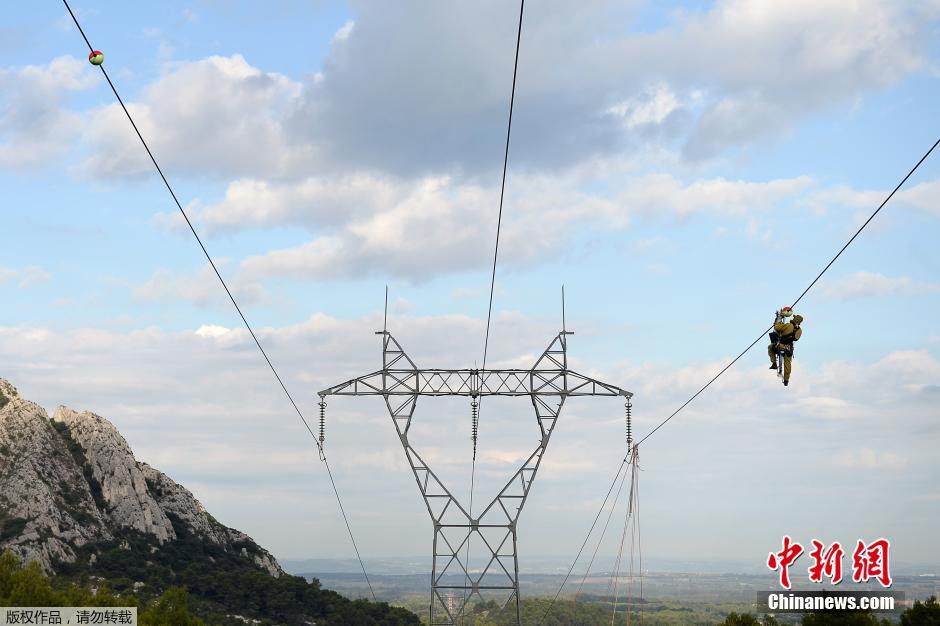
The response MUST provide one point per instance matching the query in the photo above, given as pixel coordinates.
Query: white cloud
(751, 69)
(924, 196)
(432, 99)
(663, 194)
(868, 459)
(343, 33)
(368, 223)
(876, 285)
(35, 126)
(651, 108)
(212, 330)
(202, 406)
(32, 275)
(313, 202)
(729, 76)
(25, 277)
(219, 116)
(414, 235)
(844, 196)
(6, 275)
(765, 65)
(825, 406)
(201, 289)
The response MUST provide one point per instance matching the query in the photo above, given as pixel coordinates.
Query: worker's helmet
(786, 311)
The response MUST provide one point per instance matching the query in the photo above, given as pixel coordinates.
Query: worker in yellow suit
(786, 332)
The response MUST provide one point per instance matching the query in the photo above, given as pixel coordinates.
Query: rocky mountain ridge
(72, 481)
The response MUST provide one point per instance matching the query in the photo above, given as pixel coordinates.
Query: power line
(743, 352)
(502, 188)
(805, 291)
(588, 536)
(615, 580)
(633, 509)
(499, 222)
(228, 292)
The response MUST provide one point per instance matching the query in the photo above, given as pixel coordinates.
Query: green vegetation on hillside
(220, 582)
(566, 612)
(920, 614)
(29, 586)
(287, 600)
(746, 619)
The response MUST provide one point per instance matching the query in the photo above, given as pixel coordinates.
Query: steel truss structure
(548, 384)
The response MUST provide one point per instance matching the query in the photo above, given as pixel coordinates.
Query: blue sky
(683, 169)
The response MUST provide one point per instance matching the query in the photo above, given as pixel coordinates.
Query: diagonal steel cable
(587, 537)
(230, 296)
(805, 291)
(489, 312)
(764, 332)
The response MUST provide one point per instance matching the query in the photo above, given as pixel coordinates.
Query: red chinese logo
(783, 559)
(871, 561)
(826, 562)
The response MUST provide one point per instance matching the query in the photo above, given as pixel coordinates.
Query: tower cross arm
(474, 382)
(368, 385)
(581, 385)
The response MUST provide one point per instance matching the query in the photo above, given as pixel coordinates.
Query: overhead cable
(230, 296)
(745, 351)
(805, 291)
(499, 222)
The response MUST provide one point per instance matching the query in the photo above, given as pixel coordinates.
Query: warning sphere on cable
(96, 57)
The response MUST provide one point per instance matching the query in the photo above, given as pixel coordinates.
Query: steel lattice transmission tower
(548, 384)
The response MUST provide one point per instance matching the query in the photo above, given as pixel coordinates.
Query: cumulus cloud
(35, 124)
(924, 196)
(876, 285)
(437, 225)
(311, 202)
(202, 405)
(218, 116)
(745, 71)
(649, 108)
(765, 65)
(407, 228)
(411, 89)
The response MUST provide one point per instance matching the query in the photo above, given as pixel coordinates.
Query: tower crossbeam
(548, 384)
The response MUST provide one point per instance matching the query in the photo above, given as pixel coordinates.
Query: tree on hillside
(843, 618)
(29, 586)
(746, 619)
(170, 609)
(922, 614)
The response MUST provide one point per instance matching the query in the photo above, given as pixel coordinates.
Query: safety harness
(785, 342)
